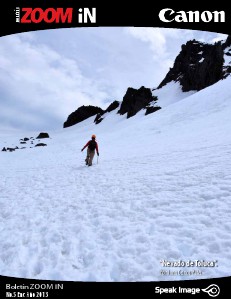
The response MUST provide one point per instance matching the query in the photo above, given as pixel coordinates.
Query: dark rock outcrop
(227, 43)
(114, 105)
(23, 142)
(197, 66)
(151, 109)
(26, 139)
(98, 119)
(227, 51)
(81, 114)
(42, 135)
(9, 149)
(41, 144)
(135, 100)
(110, 108)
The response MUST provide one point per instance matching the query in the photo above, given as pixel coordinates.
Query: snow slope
(170, 94)
(160, 191)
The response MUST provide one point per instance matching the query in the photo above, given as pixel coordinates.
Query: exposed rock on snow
(135, 100)
(197, 66)
(109, 109)
(42, 135)
(41, 144)
(151, 109)
(81, 114)
(25, 140)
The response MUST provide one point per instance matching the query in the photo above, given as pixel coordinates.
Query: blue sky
(46, 75)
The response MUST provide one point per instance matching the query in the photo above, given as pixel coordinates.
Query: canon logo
(169, 15)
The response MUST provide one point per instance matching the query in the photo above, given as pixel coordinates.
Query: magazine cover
(115, 149)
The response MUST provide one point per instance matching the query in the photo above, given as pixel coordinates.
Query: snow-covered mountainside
(160, 191)
(197, 66)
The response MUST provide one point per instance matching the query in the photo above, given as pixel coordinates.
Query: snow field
(161, 190)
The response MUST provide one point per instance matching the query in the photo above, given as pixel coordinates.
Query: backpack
(92, 145)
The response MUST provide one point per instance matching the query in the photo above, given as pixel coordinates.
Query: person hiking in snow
(92, 146)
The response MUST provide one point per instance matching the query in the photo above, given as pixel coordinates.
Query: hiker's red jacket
(96, 146)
